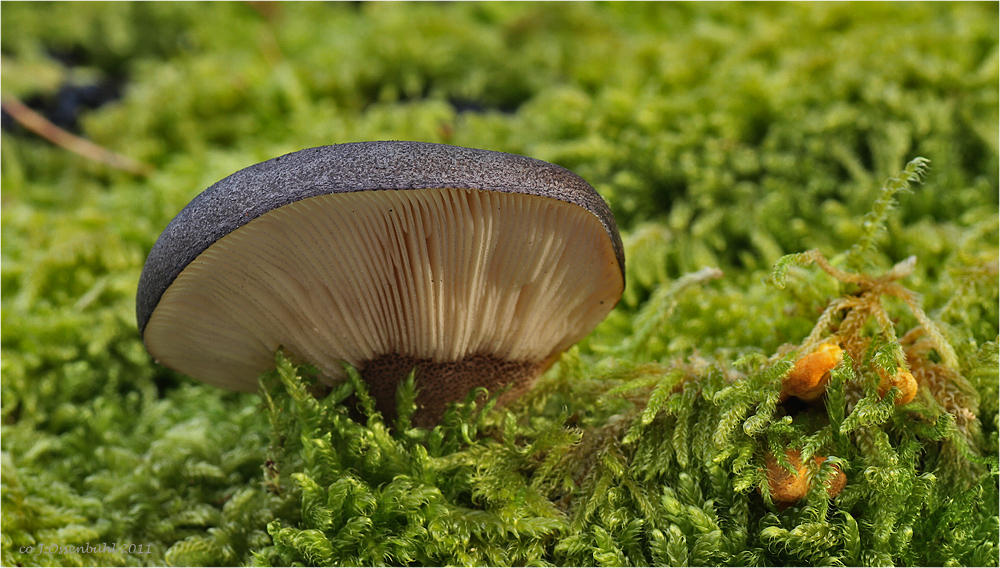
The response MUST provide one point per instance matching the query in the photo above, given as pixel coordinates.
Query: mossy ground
(724, 136)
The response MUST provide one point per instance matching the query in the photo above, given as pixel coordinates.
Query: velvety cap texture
(344, 168)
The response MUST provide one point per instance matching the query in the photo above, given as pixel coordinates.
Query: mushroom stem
(439, 383)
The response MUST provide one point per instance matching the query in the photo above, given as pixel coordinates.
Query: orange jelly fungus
(903, 380)
(807, 380)
(787, 488)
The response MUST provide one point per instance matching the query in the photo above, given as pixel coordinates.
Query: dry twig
(80, 146)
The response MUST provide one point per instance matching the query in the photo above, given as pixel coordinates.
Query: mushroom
(476, 267)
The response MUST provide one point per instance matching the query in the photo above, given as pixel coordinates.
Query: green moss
(729, 140)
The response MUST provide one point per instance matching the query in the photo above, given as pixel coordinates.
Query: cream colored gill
(437, 274)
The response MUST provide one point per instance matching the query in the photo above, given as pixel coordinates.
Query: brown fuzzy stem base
(439, 383)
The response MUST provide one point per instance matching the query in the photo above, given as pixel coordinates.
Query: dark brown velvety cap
(343, 168)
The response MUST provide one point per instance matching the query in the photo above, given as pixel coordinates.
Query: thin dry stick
(80, 146)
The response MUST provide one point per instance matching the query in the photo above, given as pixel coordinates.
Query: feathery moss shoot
(802, 370)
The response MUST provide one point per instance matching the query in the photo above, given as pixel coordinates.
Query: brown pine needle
(80, 146)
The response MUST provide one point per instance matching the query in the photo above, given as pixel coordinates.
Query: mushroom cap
(480, 266)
